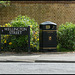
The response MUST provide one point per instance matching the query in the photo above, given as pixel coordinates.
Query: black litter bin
(47, 37)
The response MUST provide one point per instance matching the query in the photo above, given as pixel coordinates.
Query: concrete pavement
(38, 57)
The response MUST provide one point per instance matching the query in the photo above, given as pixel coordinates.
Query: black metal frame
(25, 33)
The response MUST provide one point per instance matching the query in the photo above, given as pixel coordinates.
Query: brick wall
(58, 12)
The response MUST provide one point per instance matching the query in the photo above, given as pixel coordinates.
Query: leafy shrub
(4, 37)
(4, 4)
(66, 36)
(20, 42)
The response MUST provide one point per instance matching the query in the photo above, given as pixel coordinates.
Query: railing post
(28, 38)
(0, 38)
(0, 42)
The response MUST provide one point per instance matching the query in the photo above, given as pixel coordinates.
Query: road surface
(36, 68)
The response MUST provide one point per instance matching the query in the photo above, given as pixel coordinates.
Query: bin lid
(47, 23)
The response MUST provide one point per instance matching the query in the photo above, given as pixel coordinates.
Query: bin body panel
(49, 39)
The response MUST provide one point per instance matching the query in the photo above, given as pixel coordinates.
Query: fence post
(0, 41)
(28, 38)
(0, 38)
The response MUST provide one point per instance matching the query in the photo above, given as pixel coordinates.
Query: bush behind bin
(20, 42)
(66, 36)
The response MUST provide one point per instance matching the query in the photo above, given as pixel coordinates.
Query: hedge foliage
(20, 42)
(66, 36)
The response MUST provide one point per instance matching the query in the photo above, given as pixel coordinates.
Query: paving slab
(70, 57)
(38, 57)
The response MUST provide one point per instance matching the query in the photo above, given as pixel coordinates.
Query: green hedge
(20, 42)
(66, 36)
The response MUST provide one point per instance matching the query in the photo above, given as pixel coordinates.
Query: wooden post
(0, 38)
(28, 38)
(0, 42)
